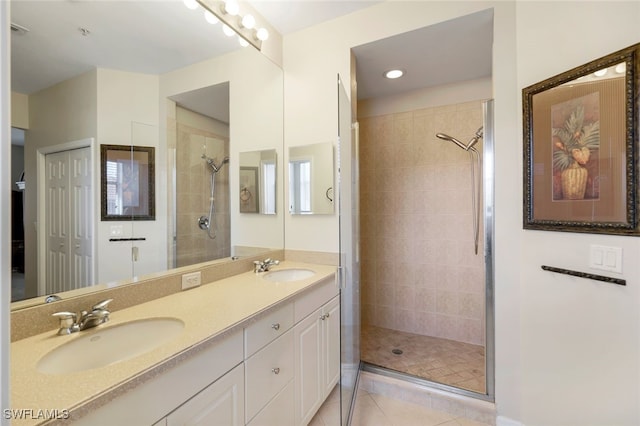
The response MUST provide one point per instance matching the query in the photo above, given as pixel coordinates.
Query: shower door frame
(488, 183)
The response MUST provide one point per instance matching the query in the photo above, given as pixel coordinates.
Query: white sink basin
(292, 274)
(99, 348)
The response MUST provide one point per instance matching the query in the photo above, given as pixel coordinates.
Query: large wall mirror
(83, 76)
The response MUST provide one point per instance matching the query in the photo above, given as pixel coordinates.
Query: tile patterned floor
(432, 358)
(378, 410)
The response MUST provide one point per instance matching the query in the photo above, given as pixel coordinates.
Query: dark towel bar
(585, 275)
(127, 239)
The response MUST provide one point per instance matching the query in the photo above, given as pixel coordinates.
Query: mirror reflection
(258, 177)
(119, 83)
(311, 179)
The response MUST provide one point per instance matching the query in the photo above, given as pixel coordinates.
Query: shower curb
(458, 405)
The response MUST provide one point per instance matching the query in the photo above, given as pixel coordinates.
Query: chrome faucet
(263, 266)
(69, 320)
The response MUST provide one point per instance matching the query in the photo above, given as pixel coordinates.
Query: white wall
(128, 114)
(580, 339)
(566, 349)
(58, 114)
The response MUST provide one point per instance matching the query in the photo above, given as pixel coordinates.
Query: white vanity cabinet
(277, 370)
(215, 372)
(317, 359)
(222, 403)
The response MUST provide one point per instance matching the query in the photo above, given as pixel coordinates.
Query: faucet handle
(101, 306)
(67, 322)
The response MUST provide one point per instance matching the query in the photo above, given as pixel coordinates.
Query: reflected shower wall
(419, 271)
(198, 135)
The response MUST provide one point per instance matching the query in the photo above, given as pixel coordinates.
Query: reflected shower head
(214, 168)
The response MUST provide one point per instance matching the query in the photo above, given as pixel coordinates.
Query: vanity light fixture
(191, 4)
(227, 30)
(230, 7)
(210, 17)
(391, 74)
(248, 21)
(262, 34)
(600, 73)
(228, 12)
(621, 68)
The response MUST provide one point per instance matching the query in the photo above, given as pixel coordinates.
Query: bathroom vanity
(251, 349)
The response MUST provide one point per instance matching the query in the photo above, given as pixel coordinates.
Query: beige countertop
(209, 313)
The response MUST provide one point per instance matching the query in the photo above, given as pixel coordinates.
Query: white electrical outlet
(191, 280)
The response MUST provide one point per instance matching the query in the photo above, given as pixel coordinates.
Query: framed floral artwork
(581, 148)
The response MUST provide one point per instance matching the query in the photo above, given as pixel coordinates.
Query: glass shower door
(349, 258)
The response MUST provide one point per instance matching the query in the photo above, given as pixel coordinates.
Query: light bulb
(231, 7)
(191, 4)
(227, 30)
(621, 68)
(243, 42)
(262, 34)
(600, 73)
(210, 17)
(248, 21)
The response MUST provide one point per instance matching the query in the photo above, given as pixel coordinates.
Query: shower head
(446, 137)
(212, 165)
(474, 140)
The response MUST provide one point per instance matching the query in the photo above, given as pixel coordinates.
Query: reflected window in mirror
(311, 179)
(300, 186)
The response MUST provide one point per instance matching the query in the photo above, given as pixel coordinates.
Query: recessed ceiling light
(394, 74)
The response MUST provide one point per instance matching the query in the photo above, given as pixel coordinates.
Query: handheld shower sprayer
(474, 140)
(476, 166)
(206, 223)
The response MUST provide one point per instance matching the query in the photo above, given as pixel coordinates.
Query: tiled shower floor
(432, 358)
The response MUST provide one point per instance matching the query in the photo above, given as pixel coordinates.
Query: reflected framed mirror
(311, 179)
(258, 182)
(581, 148)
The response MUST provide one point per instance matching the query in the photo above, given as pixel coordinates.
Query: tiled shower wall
(193, 245)
(419, 270)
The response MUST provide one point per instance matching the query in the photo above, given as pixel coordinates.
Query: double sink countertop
(210, 312)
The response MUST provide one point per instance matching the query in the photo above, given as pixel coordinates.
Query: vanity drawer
(268, 328)
(268, 372)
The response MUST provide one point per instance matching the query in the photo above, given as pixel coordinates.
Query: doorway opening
(426, 292)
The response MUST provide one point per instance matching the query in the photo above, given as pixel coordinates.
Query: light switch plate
(606, 258)
(191, 280)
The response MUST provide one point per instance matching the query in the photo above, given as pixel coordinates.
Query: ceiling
(159, 36)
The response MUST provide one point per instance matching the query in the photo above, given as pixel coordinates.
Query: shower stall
(425, 217)
(202, 229)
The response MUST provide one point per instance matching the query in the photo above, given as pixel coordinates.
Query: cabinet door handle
(276, 326)
(327, 315)
(323, 317)
(275, 370)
